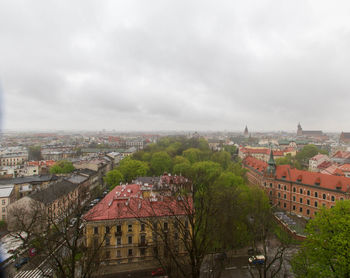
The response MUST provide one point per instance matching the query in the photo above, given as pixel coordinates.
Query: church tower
(300, 130)
(271, 169)
(246, 133)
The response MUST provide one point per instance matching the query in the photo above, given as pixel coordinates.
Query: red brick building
(296, 191)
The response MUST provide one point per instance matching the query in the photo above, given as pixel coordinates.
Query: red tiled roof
(41, 163)
(345, 167)
(125, 201)
(324, 165)
(255, 163)
(311, 178)
(317, 157)
(261, 151)
(341, 154)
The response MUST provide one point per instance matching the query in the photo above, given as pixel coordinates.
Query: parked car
(158, 272)
(258, 259)
(21, 262)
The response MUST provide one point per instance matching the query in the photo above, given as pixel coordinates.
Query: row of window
(142, 227)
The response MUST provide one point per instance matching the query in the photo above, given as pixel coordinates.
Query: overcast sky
(175, 65)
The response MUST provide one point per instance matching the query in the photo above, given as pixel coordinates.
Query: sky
(175, 65)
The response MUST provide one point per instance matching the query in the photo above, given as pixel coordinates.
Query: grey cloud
(175, 64)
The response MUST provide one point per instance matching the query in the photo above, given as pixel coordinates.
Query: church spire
(271, 169)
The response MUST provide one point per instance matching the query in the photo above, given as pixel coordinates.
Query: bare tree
(181, 230)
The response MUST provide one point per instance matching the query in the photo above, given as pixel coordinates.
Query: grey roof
(5, 191)
(29, 179)
(53, 192)
(77, 179)
(87, 171)
(149, 180)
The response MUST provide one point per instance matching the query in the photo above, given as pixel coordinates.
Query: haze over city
(174, 65)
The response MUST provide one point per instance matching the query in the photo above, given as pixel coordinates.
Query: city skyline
(174, 66)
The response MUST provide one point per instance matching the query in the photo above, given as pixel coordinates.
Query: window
(301, 200)
(294, 189)
(129, 252)
(308, 193)
(293, 207)
(129, 239)
(301, 209)
(333, 198)
(324, 196)
(293, 198)
(119, 241)
(270, 193)
(316, 194)
(95, 230)
(341, 199)
(95, 242)
(108, 241)
(3, 202)
(285, 187)
(279, 186)
(107, 229)
(119, 253)
(285, 196)
(308, 202)
(3, 209)
(130, 228)
(142, 251)
(307, 211)
(284, 205)
(279, 195)
(118, 228)
(265, 184)
(143, 239)
(316, 204)
(142, 227)
(301, 191)
(271, 184)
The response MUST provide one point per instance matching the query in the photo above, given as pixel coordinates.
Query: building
(6, 198)
(315, 161)
(344, 137)
(246, 133)
(127, 223)
(296, 191)
(259, 153)
(315, 134)
(341, 157)
(12, 159)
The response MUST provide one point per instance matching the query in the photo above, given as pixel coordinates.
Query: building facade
(299, 192)
(132, 222)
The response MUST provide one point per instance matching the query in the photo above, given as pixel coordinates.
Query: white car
(258, 259)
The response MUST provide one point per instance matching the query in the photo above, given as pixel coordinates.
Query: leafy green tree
(306, 153)
(160, 163)
(180, 159)
(237, 169)
(131, 169)
(192, 154)
(62, 167)
(183, 169)
(222, 157)
(34, 153)
(289, 160)
(113, 178)
(231, 149)
(325, 252)
(204, 173)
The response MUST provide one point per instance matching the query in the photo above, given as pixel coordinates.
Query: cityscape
(174, 139)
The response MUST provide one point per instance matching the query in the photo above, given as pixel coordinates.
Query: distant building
(345, 137)
(315, 161)
(246, 133)
(316, 134)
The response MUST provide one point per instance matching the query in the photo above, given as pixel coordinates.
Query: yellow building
(130, 227)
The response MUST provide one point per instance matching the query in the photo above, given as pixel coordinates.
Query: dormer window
(318, 181)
